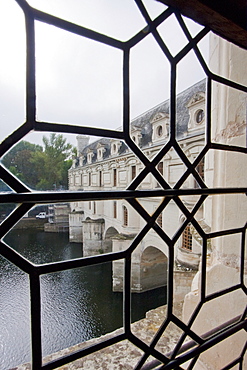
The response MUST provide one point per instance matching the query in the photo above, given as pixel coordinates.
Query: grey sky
(79, 81)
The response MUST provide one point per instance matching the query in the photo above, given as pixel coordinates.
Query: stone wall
(56, 227)
(92, 232)
(31, 223)
(182, 284)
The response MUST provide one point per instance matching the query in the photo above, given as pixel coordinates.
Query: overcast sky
(79, 81)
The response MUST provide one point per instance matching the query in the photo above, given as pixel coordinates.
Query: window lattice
(25, 199)
(187, 238)
(125, 216)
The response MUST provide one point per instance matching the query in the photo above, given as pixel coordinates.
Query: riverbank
(31, 223)
(123, 355)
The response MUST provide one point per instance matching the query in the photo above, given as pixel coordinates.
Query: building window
(199, 116)
(94, 208)
(133, 172)
(159, 131)
(89, 205)
(114, 177)
(100, 178)
(161, 170)
(187, 238)
(115, 147)
(114, 209)
(200, 170)
(125, 216)
(99, 153)
(89, 179)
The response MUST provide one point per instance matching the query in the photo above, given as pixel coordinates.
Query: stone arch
(109, 234)
(153, 268)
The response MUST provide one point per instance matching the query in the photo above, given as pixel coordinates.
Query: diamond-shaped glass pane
(167, 30)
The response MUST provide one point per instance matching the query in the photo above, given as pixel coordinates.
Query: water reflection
(77, 304)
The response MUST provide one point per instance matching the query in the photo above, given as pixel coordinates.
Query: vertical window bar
(126, 96)
(36, 321)
(242, 255)
(203, 269)
(30, 69)
(208, 111)
(173, 104)
(170, 279)
(127, 295)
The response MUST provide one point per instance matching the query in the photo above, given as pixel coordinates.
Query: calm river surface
(77, 304)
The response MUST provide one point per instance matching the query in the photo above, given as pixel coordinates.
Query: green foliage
(41, 168)
(18, 161)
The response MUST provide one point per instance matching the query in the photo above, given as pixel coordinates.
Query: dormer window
(199, 116)
(115, 146)
(90, 155)
(136, 134)
(160, 123)
(81, 159)
(196, 107)
(159, 131)
(100, 152)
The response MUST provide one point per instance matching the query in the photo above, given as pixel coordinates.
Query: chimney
(82, 142)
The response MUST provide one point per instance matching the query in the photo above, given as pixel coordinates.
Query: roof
(143, 122)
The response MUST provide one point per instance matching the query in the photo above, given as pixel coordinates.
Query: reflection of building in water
(111, 225)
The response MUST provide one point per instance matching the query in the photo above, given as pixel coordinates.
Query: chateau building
(112, 225)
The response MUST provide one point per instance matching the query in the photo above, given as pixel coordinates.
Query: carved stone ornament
(233, 129)
(196, 98)
(158, 116)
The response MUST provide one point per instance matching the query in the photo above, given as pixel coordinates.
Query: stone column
(93, 231)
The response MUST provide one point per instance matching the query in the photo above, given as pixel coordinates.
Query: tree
(43, 168)
(53, 163)
(18, 161)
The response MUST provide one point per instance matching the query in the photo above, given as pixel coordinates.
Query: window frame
(25, 198)
(125, 216)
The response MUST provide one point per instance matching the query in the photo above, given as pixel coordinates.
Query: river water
(77, 304)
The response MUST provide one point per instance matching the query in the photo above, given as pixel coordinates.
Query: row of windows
(92, 207)
(133, 173)
(186, 237)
